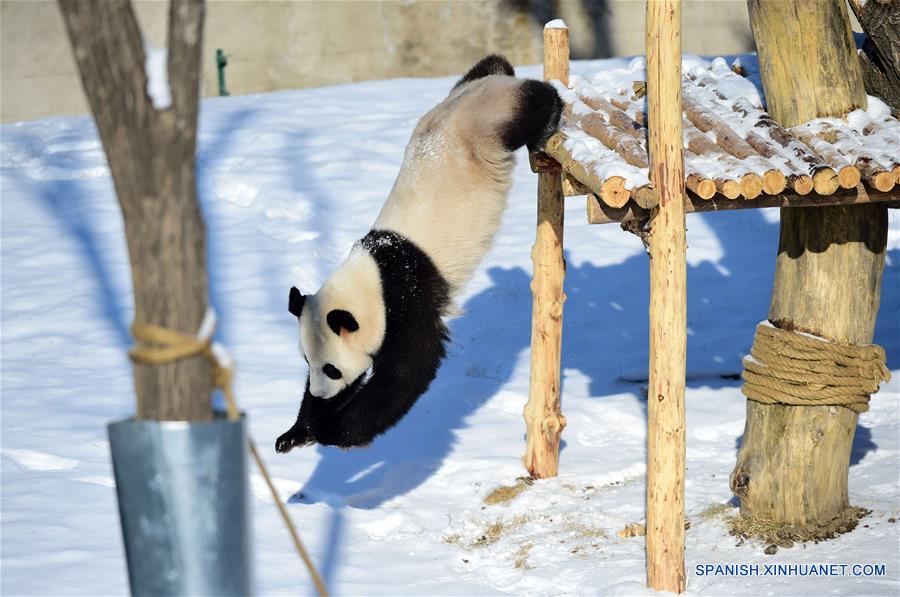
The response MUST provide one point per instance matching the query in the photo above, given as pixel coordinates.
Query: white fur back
(452, 188)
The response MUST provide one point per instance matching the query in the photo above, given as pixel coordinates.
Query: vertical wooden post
(793, 463)
(668, 303)
(543, 420)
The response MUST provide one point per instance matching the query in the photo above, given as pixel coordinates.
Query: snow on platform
(733, 148)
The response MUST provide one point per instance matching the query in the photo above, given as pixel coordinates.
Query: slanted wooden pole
(543, 420)
(793, 463)
(668, 303)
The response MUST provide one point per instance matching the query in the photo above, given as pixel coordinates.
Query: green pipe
(221, 63)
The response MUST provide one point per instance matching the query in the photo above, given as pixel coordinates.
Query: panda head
(341, 326)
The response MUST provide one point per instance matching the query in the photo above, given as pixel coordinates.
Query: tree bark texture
(880, 57)
(809, 65)
(543, 420)
(793, 463)
(151, 157)
(668, 302)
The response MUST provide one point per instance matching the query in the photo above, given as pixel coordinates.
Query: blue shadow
(606, 306)
(65, 202)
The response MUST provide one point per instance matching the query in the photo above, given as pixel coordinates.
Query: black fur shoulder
(493, 64)
(416, 296)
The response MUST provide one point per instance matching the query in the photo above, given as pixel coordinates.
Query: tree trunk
(151, 157)
(804, 48)
(793, 464)
(880, 58)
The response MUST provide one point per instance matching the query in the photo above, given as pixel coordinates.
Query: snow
(556, 24)
(288, 181)
(733, 99)
(156, 65)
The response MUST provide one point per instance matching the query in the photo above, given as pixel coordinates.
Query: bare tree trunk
(793, 464)
(880, 58)
(151, 157)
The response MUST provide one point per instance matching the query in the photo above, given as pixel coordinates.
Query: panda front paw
(295, 436)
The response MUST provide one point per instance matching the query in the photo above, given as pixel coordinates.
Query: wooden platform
(736, 156)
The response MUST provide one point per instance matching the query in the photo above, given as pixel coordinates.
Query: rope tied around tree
(798, 369)
(159, 345)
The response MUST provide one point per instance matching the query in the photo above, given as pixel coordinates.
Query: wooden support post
(668, 303)
(792, 466)
(543, 420)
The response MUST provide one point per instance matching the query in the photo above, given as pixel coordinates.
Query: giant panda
(374, 334)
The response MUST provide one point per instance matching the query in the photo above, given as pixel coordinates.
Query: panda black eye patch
(331, 371)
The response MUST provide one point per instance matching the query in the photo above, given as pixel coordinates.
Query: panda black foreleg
(356, 423)
(294, 437)
(337, 421)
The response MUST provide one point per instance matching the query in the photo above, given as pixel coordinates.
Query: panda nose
(331, 371)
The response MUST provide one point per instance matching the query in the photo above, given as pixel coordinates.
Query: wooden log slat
(631, 150)
(614, 138)
(702, 145)
(861, 195)
(726, 137)
(703, 187)
(622, 136)
(848, 175)
(625, 104)
(734, 144)
(825, 179)
(612, 190)
(645, 196)
(876, 174)
(750, 185)
(624, 124)
(571, 187)
(801, 184)
(616, 117)
(812, 163)
(731, 189)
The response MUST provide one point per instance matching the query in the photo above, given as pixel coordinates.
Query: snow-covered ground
(288, 182)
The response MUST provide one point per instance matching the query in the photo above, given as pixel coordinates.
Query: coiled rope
(170, 346)
(798, 369)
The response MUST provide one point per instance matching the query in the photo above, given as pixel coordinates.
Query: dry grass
(507, 493)
(490, 534)
(451, 539)
(522, 556)
(585, 531)
(715, 511)
(780, 534)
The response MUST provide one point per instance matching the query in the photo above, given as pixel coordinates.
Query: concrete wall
(285, 44)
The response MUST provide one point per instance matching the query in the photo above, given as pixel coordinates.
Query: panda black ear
(339, 319)
(295, 302)
(493, 64)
